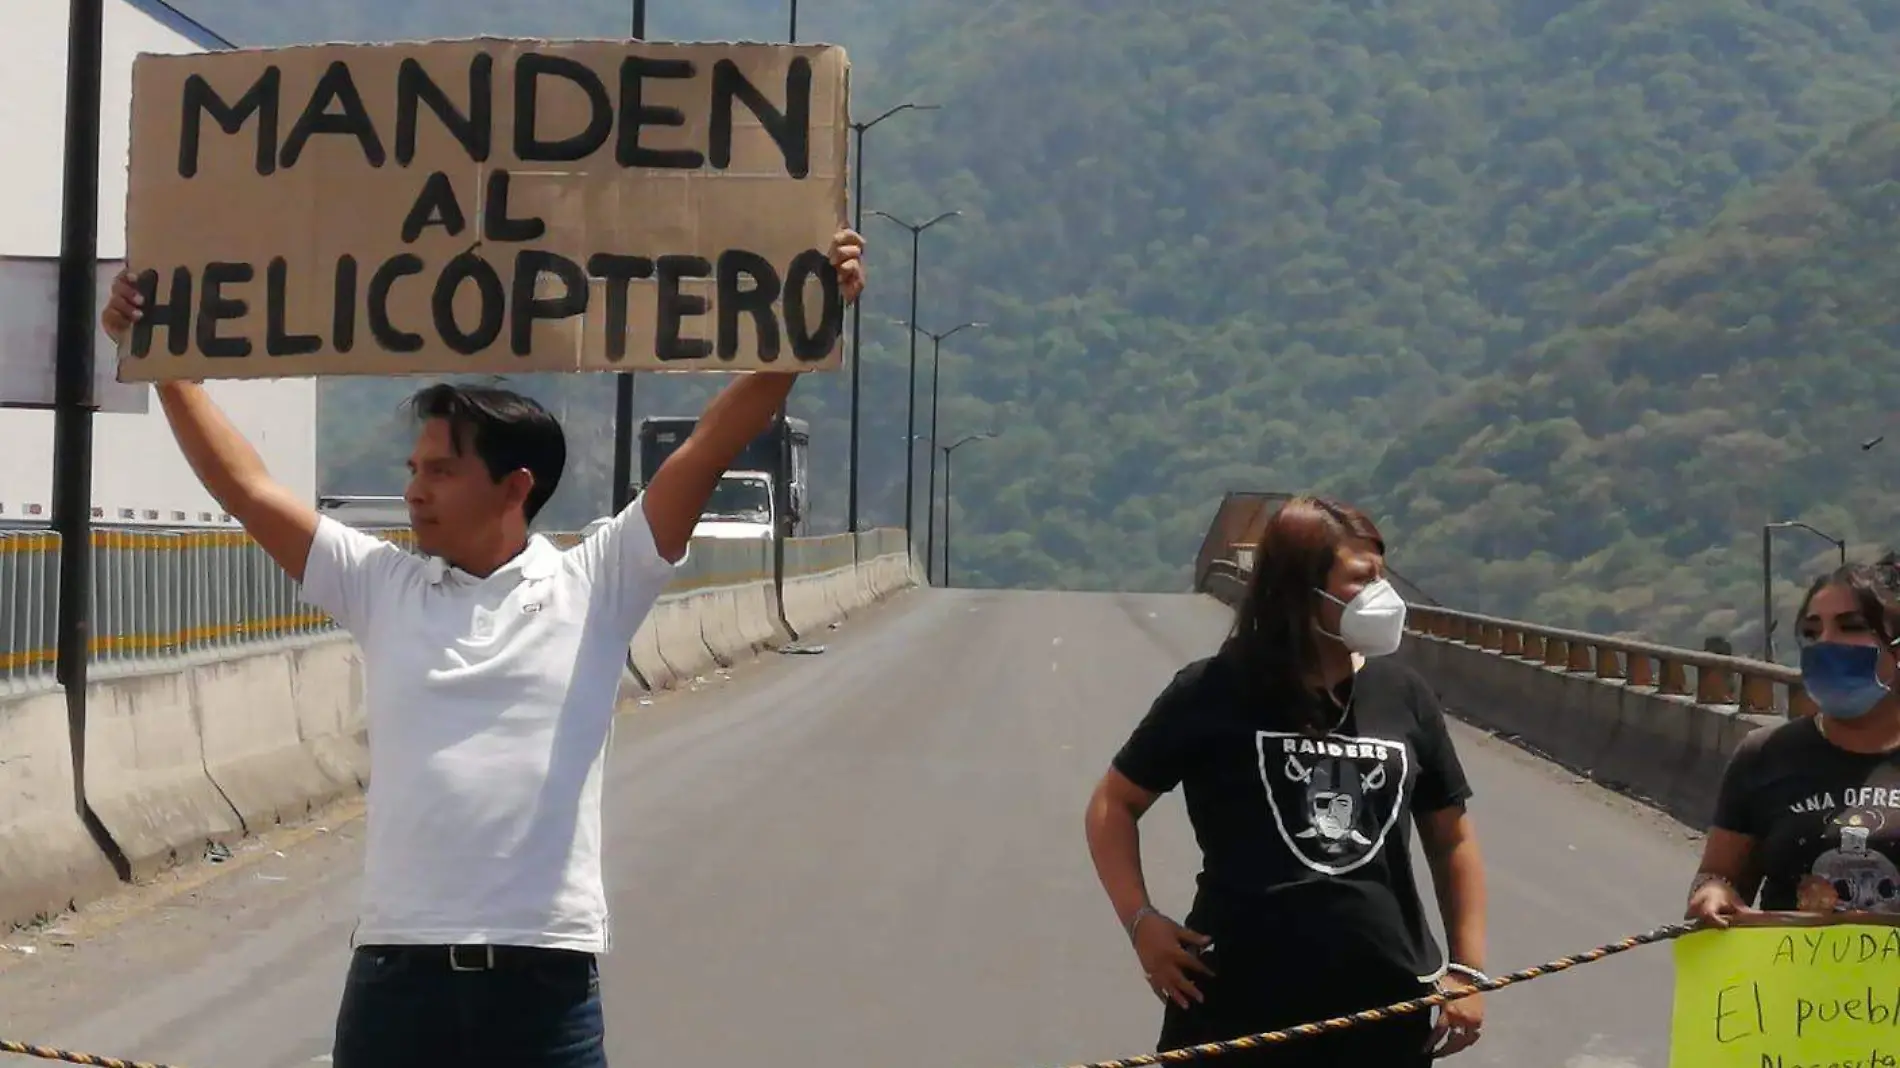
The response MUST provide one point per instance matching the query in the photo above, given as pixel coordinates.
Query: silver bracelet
(1704, 878)
(1140, 914)
(1468, 972)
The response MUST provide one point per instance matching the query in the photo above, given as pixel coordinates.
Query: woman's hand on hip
(1168, 954)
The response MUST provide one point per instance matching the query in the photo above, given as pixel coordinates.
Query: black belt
(481, 958)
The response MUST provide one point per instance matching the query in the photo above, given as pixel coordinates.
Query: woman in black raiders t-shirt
(1301, 765)
(1808, 815)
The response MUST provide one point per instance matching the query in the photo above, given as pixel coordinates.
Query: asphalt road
(869, 858)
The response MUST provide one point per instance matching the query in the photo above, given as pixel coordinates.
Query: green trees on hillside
(1730, 383)
(1325, 219)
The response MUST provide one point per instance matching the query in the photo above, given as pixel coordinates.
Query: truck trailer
(747, 502)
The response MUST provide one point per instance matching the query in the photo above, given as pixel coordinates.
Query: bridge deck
(900, 820)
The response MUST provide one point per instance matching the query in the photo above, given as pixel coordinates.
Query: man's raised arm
(228, 466)
(739, 414)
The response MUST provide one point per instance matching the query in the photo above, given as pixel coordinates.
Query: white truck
(747, 502)
(741, 507)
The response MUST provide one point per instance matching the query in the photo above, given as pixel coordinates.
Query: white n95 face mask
(1373, 623)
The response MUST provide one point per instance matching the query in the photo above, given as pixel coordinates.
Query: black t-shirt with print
(1826, 821)
(1305, 839)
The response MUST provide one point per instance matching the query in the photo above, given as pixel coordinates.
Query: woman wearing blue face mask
(1305, 755)
(1808, 816)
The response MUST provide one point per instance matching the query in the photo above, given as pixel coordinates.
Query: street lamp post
(623, 381)
(1767, 576)
(74, 399)
(910, 424)
(930, 489)
(857, 307)
(782, 503)
(947, 451)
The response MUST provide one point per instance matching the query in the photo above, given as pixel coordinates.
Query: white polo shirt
(489, 702)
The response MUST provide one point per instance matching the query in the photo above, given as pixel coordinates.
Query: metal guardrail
(162, 596)
(157, 596)
(1751, 686)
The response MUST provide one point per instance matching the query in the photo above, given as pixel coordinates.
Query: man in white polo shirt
(492, 664)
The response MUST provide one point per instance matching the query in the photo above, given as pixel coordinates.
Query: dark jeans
(414, 1006)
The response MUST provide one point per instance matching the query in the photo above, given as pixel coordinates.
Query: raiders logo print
(1333, 799)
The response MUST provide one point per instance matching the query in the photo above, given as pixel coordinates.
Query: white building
(139, 476)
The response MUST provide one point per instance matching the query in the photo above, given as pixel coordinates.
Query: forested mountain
(1617, 475)
(1253, 243)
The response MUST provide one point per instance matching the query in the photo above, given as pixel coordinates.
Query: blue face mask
(1843, 679)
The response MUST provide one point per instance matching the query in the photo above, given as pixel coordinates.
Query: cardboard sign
(1787, 992)
(486, 206)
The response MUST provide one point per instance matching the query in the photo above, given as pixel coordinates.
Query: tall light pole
(930, 491)
(947, 451)
(623, 381)
(1767, 576)
(74, 402)
(910, 424)
(857, 306)
(782, 485)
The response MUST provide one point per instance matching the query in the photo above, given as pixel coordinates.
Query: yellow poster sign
(1789, 992)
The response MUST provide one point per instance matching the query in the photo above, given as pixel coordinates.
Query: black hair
(1875, 588)
(509, 431)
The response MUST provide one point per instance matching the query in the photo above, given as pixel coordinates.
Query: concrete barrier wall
(1656, 723)
(48, 861)
(189, 754)
(820, 583)
(1668, 749)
